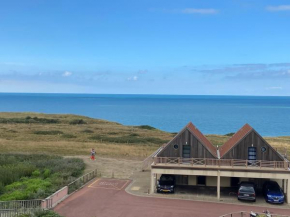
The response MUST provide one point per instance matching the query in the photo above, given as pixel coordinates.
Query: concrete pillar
(218, 185)
(152, 185)
(285, 186)
(288, 191)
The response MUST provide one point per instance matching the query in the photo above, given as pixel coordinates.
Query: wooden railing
(198, 162)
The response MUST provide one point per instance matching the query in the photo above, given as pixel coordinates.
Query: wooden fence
(197, 162)
(18, 207)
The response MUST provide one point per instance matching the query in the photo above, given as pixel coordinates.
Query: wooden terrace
(177, 162)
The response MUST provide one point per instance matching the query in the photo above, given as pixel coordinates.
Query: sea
(269, 115)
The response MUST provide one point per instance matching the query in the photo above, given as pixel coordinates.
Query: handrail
(222, 162)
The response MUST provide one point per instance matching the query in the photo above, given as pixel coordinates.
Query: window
(175, 146)
(186, 151)
(252, 154)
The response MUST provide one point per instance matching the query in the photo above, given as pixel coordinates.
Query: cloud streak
(278, 8)
(199, 11)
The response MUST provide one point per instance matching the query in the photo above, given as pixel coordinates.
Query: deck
(217, 164)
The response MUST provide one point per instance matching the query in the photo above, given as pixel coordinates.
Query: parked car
(272, 192)
(247, 191)
(166, 183)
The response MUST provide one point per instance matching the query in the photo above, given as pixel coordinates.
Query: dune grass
(76, 135)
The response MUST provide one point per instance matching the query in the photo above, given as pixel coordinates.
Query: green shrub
(87, 131)
(146, 127)
(229, 134)
(68, 136)
(77, 121)
(36, 173)
(50, 132)
(41, 213)
(46, 173)
(35, 176)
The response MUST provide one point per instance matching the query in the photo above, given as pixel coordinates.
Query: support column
(152, 185)
(288, 191)
(218, 185)
(285, 186)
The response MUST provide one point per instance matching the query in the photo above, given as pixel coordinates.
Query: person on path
(93, 153)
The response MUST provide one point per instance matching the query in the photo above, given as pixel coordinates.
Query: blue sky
(225, 47)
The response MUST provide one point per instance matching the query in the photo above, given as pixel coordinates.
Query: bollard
(112, 174)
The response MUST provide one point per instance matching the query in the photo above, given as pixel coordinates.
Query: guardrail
(195, 162)
(80, 182)
(18, 207)
(149, 160)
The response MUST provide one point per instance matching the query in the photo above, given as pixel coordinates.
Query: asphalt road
(108, 198)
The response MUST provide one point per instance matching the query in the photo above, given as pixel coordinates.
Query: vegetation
(76, 135)
(77, 121)
(41, 213)
(146, 127)
(35, 176)
(229, 134)
(28, 120)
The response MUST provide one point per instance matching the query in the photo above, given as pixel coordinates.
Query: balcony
(229, 164)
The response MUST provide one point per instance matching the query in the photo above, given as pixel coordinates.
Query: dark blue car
(272, 192)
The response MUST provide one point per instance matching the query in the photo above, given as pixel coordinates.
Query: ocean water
(270, 116)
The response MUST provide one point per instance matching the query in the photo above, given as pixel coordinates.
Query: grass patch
(87, 131)
(28, 120)
(50, 132)
(41, 213)
(129, 139)
(24, 177)
(146, 127)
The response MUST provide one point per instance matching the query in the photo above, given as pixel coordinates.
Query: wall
(240, 151)
(191, 180)
(185, 138)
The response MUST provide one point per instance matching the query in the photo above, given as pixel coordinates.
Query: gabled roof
(235, 139)
(206, 143)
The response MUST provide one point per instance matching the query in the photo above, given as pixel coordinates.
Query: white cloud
(199, 11)
(278, 8)
(134, 78)
(274, 88)
(67, 74)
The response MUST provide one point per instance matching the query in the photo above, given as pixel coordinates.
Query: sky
(191, 47)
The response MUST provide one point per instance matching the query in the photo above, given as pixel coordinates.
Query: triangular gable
(235, 139)
(198, 135)
(239, 136)
(203, 140)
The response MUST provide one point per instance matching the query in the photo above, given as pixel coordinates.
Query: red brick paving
(101, 200)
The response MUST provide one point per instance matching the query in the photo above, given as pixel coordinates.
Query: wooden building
(192, 158)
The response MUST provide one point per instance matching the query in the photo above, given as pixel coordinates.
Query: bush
(87, 131)
(229, 134)
(35, 176)
(77, 121)
(146, 127)
(36, 173)
(50, 132)
(46, 173)
(41, 213)
(68, 136)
